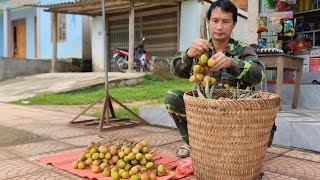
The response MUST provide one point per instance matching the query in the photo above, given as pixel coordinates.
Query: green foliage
(72, 98)
(150, 77)
(153, 87)
(122, 113)
(125, 114)
(148, 90)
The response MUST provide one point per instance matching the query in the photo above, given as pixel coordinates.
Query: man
(236, 63)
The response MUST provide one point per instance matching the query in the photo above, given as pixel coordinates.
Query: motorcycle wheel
(146, 67)
(122, 64)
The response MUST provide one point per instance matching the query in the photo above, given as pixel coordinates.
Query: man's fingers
(204, 44)
(218, 58)
(217, 55)
(205, 47)
(198, 47)
(195, 51)
(207, 42)
(198, 51)
(217, 66)
(221, 62)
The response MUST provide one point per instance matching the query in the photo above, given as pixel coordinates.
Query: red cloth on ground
(64, 161)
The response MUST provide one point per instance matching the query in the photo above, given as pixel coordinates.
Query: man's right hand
(198, 47)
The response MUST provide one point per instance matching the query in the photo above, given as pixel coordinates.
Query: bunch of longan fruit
(201, 71)
(133, 162)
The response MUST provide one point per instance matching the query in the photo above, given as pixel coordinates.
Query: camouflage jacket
(247, 72)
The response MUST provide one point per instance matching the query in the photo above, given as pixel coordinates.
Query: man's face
(220, 24)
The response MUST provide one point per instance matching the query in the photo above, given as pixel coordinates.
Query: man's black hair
(226, 6)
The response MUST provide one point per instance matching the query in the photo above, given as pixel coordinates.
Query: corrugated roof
(93, 7)
(54, 4)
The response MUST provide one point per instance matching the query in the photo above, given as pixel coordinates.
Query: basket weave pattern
(229, 139)
(242, 4)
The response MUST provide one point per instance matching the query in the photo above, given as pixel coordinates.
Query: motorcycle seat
(123, 49)
(127, 50)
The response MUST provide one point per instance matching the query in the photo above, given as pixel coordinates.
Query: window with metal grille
(62, 27)
(159, 28)
(160, 31)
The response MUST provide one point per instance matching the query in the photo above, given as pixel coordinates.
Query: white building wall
(189, 23)
(97, 45)
(194, 12)
(253, 13)
(240, 32)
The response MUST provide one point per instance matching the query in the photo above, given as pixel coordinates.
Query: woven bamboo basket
(242, 4)
(229, 138)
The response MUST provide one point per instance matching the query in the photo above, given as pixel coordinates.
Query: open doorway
(19, 38)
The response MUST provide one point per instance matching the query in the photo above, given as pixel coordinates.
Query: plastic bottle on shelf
(300, 5)
(307, 5)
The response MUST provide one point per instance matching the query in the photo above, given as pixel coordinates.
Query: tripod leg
(105, 113)
(85, 110)
(126, 108)
(113, 115)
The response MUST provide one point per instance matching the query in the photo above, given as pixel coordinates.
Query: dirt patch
(73, 109)
(11, 136)
(96, 109)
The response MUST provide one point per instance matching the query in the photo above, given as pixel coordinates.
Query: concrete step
(308, 97)
(299, 128)
(157, 115)
(28, 86)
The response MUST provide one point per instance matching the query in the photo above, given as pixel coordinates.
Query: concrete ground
(28, 86)
(27, 133)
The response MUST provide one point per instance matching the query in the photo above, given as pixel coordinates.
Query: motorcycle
(141, 58)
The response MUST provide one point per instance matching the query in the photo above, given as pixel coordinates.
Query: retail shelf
(306, 32)
(306, 12)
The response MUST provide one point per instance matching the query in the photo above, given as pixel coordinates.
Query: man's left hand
(222, 61)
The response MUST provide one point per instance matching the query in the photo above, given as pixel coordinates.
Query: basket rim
(272, 96)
